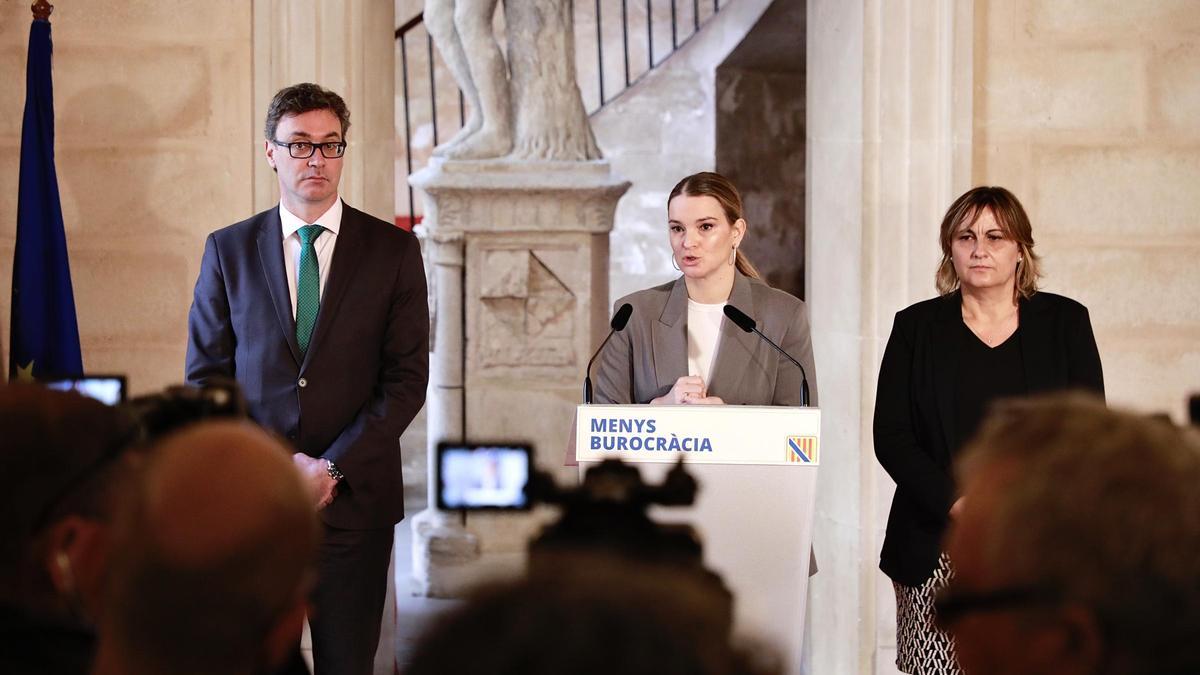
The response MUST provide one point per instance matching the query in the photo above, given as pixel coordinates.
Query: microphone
(739, 318)
(617, 325)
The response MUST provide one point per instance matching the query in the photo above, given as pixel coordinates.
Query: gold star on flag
(25, 374)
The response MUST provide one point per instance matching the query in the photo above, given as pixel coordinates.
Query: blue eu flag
(45, 336)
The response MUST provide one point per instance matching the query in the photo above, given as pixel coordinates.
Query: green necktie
(308, 286)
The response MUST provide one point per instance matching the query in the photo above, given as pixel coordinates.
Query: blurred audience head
(594, 615)
(213, 557)
(64, 456)
(1009, 215)
(1078, 547)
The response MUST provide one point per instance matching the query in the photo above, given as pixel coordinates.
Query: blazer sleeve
(211, 341)
(1083, 366)
(403, 375)
(613, 383)
(797, 342)
(896, 445)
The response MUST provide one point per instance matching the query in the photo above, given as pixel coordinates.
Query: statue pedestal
(518, 253)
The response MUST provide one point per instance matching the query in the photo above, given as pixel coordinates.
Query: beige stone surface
(1131, 290)
(1155, 375)
(154, 151)
(1175, 88)
(1088, 110)
(1048, 89)
(1095, 20)
(138, 298)
(1133, 191)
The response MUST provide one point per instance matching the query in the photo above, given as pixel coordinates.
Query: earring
(733, 256)
(65, 571)
(675, 264)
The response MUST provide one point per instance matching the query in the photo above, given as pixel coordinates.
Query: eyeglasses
(951, 606)
(304, 149)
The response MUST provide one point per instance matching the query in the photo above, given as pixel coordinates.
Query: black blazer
(363, 377)
(915, 436)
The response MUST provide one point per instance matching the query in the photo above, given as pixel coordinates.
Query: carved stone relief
(526, 313)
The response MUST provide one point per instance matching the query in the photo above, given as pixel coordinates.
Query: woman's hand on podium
(688, 390)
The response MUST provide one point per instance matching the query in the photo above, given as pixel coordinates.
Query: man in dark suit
(319, 311)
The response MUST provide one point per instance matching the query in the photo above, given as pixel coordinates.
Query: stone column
(520, 259)
(349, 48)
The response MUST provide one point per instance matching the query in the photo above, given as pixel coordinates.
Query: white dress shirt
(331, 220)
(703, 330)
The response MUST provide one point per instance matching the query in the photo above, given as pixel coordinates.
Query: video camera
(155, 415)
(605, 514)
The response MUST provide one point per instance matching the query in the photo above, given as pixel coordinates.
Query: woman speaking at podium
(989, 335)
(678, 347)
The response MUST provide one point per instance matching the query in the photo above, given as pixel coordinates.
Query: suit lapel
(347, 254)
(1036, 334)
(669, 337)
(945, 359)
(270, 254)
(735, 346)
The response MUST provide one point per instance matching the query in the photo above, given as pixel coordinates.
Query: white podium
(757, 470)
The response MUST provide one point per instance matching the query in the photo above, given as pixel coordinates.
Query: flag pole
(44, 329)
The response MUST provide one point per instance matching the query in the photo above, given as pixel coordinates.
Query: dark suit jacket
(643, 361)
(915, 436)
(364, 375)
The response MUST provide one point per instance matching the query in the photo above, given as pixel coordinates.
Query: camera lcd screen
(482, 476)
(108, 389)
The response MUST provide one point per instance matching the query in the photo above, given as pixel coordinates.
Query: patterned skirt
(921, 648)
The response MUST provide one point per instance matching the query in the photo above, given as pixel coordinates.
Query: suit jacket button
(302, 382)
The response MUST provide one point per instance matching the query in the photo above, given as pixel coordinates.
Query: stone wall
(154, 151)
(760, 140)
(1090, 113)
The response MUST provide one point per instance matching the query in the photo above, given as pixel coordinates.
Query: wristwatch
(333, 471)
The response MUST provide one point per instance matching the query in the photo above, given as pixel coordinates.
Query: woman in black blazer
(989, 335)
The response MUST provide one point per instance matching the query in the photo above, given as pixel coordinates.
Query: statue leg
(550, 120)
(473, 21)
(439, 21)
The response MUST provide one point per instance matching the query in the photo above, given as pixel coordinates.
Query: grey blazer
(643, 361)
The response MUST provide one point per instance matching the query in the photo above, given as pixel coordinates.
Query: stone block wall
(151, 127)
(760, 147)
(1090, 113)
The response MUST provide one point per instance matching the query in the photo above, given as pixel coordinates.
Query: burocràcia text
(641, 435)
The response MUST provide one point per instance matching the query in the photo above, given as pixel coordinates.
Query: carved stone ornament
(527, 313)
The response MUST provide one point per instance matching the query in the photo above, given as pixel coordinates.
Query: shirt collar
(330, 220)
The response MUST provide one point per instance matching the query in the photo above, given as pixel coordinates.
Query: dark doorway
(760, 92)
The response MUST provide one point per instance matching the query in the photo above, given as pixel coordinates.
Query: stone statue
(527, 109)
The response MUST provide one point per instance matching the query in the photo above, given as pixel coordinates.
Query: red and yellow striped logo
(802, 449)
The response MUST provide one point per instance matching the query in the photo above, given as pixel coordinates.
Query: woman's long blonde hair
(720, 188)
